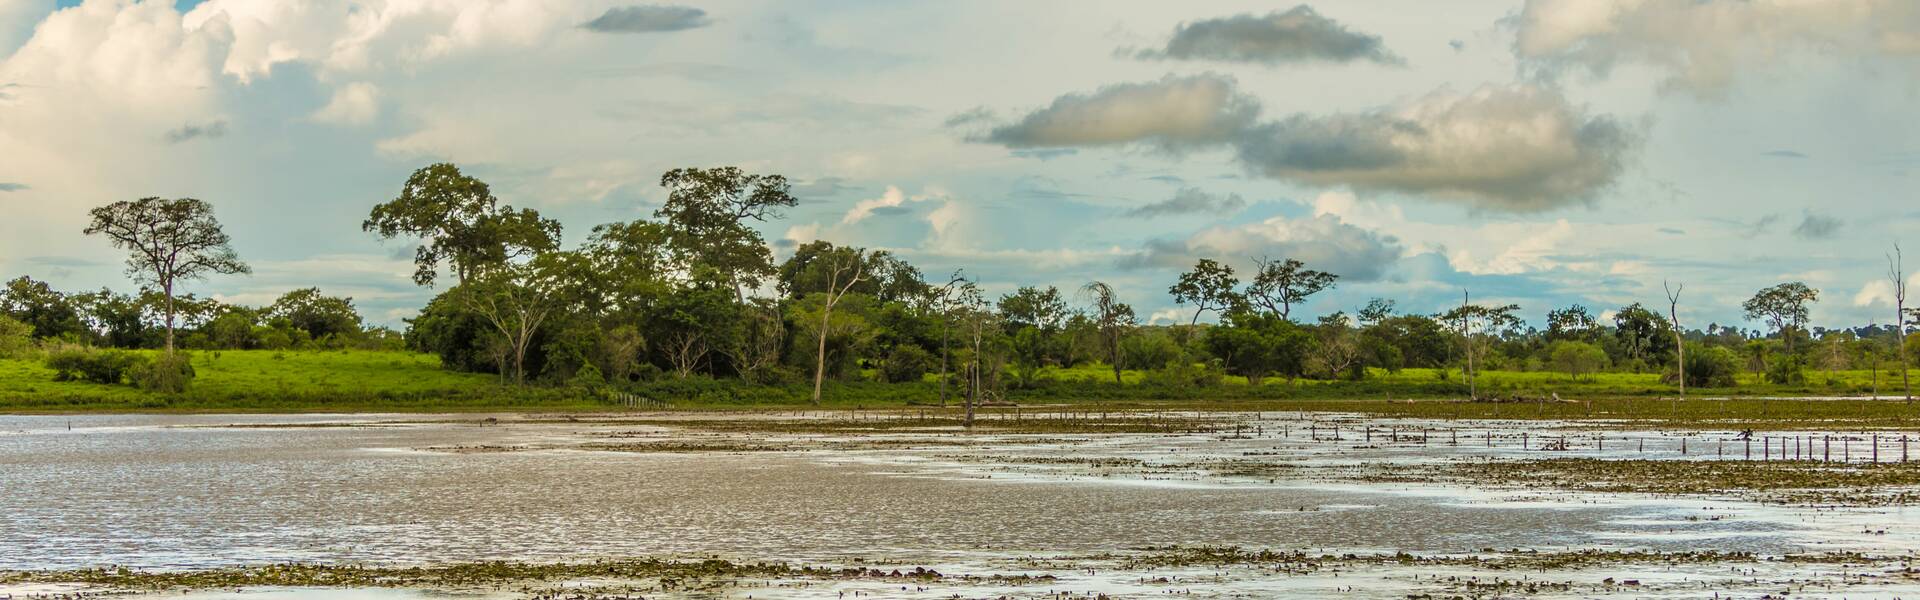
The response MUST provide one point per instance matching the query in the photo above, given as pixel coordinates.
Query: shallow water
(178, 492)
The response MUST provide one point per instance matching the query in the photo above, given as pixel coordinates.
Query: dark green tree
(708, 214)
(460, 223)
(1281, 284)
(1208, 286)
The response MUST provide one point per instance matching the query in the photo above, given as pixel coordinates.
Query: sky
(1536, 152)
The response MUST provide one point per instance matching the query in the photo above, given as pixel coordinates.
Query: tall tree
(707, 213)
(1785, 308)
(168, 242)
(1897, 274)
(459, 222)
(1113, 319)
(1471, 319)
(847, 271)
(1208, 286)
(1281, 284)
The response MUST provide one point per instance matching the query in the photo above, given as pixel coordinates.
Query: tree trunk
(820, 358)
(946, 335)
(169, 289)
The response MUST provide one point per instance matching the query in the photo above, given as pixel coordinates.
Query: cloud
(353, 104)
(1507, 148)
(1322, 241)
(1783, 154)
(1295, 36)
(1701, 46)
(8, 186)
(1816, 227)
(1174, 112)
(190, 132)
(1190, 201)
(1759, 226)
(1043, 154)
(655, 18)
(978, 114)
(888, 204)
(1513, 148)
(824, 186)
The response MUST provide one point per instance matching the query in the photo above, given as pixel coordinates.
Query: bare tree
(1679, 341)
(850, 269)
(1897, 274)
(686, 348)
(167, 242)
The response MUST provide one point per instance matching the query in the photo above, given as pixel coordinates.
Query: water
(183, 492)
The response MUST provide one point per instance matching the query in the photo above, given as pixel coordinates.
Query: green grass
(367, 381)
(263, 380)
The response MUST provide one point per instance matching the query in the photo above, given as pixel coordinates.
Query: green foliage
(319, 315)
(168, 373)
(1147, 351)
(1712, 366)
(1255, 345)
(906, 364)
(79, 363)
(1786, 370)
(49, 313)
(1185, 375)
(587, 376)
(461, 222)
(16, 338)
(1577, 358)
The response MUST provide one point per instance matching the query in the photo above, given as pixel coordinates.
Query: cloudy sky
(1542, 152)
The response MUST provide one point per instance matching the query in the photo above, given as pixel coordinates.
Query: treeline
(696, 292)
(304, 319)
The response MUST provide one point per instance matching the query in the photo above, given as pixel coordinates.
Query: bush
(87, 364)
(1712, 366)
(906, 364)
(167, 374)
(587, 376)
(16, 338)
(1149, 351)
(1786, 371)
(1183, 375)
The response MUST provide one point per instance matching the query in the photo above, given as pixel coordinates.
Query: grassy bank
(369, 381)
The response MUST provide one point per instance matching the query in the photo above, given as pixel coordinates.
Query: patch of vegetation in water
(664, 575)
(1487, 559)
(1787, 482)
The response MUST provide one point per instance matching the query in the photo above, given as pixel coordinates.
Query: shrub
(16, 338)
(907, 363)
(1712, 366)
(79, 363)
(587, 376)
(1184, 375)
(167, 374)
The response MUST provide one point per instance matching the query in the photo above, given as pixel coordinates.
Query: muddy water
(189, 492)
